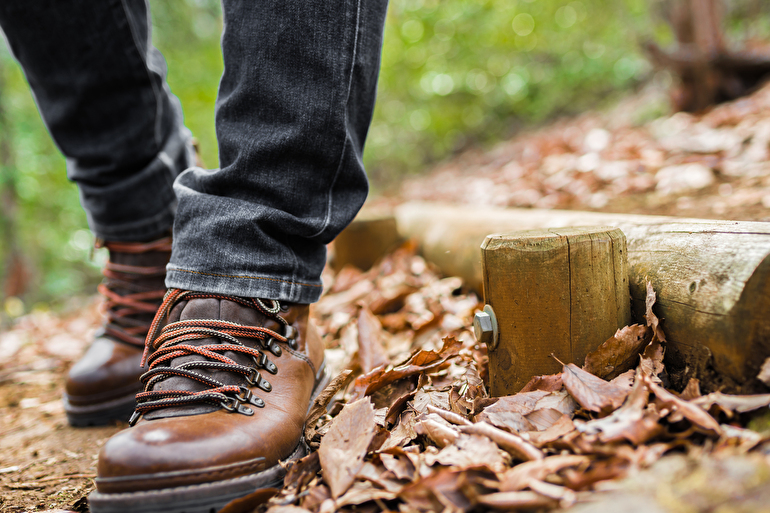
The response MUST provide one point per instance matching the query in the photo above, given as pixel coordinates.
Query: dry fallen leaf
(420, 362)
(513, 501)
(632, 421)
(471, 451)
(688, 410)
(590, 392)
(370, 351)
(731, 404)
(619, 353)
(691, 391)
(344, 446)
(519, 477)
(397, 461)
(547, 383)
(560, 428)
(318, 409)
(764, 373)
(652, 320)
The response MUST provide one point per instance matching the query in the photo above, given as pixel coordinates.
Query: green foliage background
(454, 73)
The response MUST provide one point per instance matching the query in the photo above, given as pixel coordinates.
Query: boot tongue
(218, 309)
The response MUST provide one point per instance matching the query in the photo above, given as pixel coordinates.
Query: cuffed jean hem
(143, 206)
(265, 287)
(155, 227)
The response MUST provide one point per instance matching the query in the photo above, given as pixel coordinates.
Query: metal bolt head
(485, 327)
(482, 327)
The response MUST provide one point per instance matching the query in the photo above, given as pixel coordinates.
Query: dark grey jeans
(293, 110)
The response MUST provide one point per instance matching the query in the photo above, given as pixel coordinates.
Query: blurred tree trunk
(15, 277)
(709, 72)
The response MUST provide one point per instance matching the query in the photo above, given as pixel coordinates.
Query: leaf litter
(409, 426)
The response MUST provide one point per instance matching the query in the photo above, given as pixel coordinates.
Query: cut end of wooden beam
(560, 291)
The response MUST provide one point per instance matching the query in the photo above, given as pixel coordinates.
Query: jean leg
(293, 110)
(101, 90)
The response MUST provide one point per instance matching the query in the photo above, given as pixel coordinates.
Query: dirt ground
(44, 463)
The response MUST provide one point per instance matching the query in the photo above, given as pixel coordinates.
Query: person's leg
(231, 377)
(294, 107)
(100, 87)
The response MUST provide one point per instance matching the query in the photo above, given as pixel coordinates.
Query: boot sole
(100, 414)
(201, 498)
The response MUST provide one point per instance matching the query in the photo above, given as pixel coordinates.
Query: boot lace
(127, 312)
(163, 345)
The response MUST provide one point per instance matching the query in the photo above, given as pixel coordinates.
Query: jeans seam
(261, 278)
(327, 219)
(157, 135)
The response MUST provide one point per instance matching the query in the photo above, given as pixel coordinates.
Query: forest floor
(416, 454)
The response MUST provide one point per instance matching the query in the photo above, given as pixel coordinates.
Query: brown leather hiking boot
(228, 387)
(101, 387)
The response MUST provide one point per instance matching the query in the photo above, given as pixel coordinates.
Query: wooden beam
(554, 291)
(371, 235)
(712, 277)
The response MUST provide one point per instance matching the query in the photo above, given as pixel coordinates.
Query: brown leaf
(418, 363)
(523, 402)
(301, 472)
(441, 490)
(344, 447)
(513, 501)
(630, 422)
(508, 420)
(519, 477)
(546, 383)
(764, 373)
(315, 496)
(377, 473)
(731, 404)
(690, 411)
(565, 496)
(651, 362)
(544, 418)
(363, 492)
(403, 432)
(560, 428)
(514, 444)
(652, 320)
(625, 380)
(590, 392)
(320, 403)
(287, 509)
(560, 401)
(347, 277)
(740, 438)
(471, 451)
(425, 398)
(619, 353)
(370, 350)
(439, 432)
(692, 390)
(398, 462)
(509, 412)
(613, 468)
(449, 416)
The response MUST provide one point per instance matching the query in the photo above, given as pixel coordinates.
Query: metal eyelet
(246, 396)
(264, 363)
(234, 405)
(255, 379)
(273, 346)
(291, 333)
